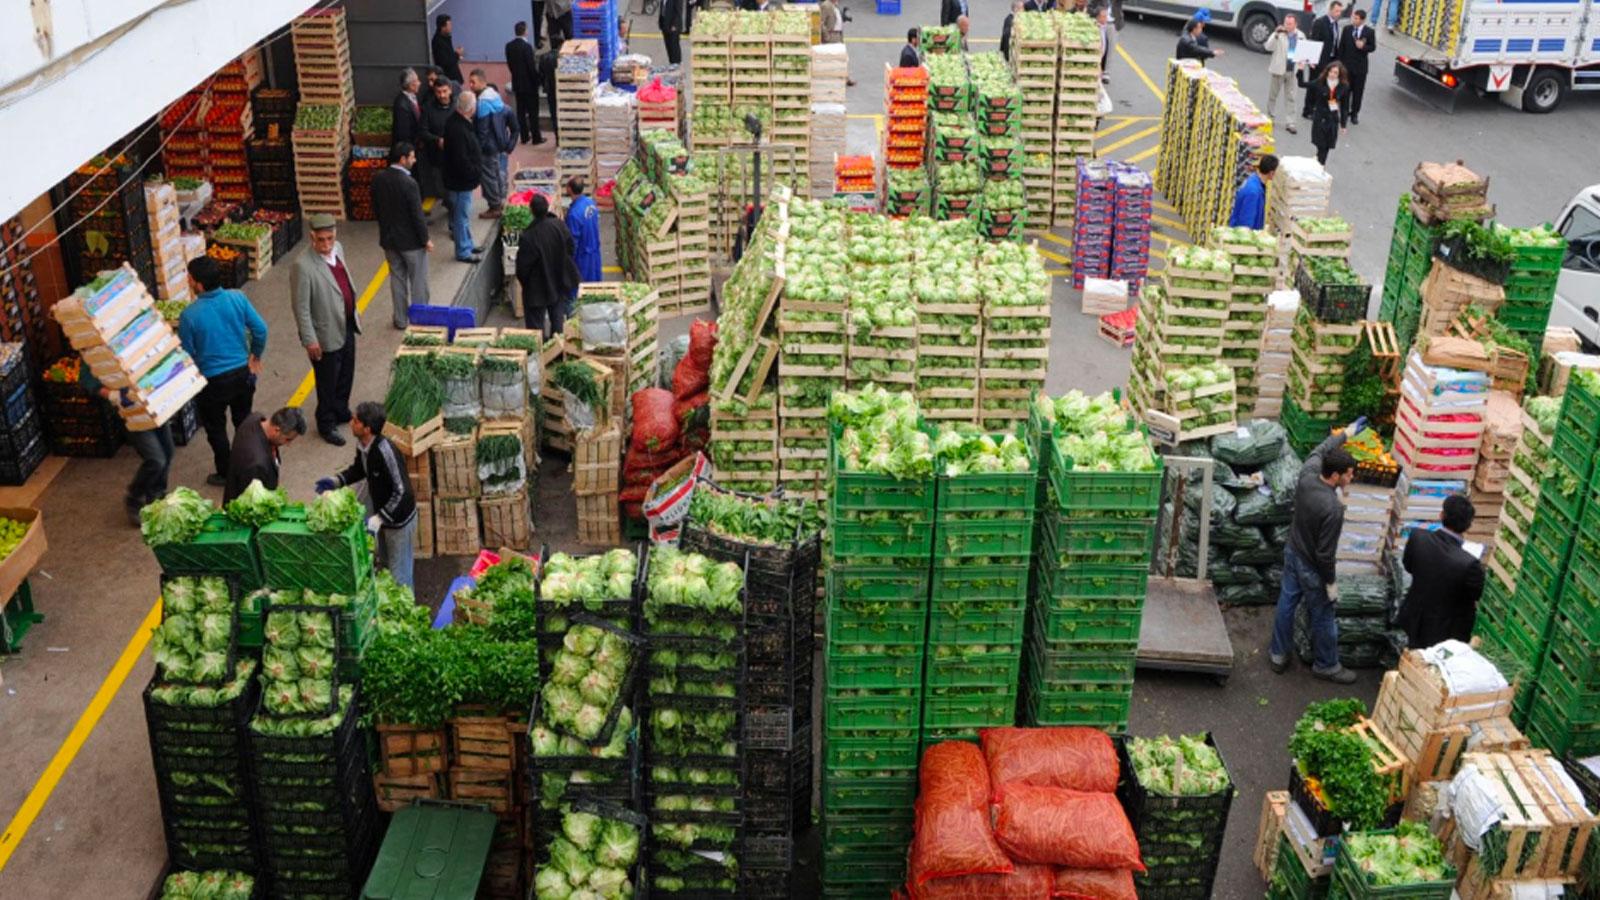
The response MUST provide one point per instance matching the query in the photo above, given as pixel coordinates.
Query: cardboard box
(16, 568)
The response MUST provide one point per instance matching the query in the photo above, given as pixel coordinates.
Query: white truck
(1577, 303)
(1530, 53)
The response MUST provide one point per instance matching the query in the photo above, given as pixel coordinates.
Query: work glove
(124, 397)
(1333, 593)
(325, 485)
(374, 523)
(1354, 428)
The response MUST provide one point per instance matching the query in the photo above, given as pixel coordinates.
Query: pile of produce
(373, 120)
(1016, 331)
(194, 643)
(317, 117)
(175, 518)
(415, 395)
(335, 511)
(587, 678)
(213, 885)
(592, 857)
(256, 506)
(965, 450)
(601, 585)
(752, 520)
(12, 531)
(1408, 855)
(1197, 410)
(1336, 764)
(1095, 433)
(881, 434)
(298, 662)
(1367, 604)
(1185, 766)
(1182, 791)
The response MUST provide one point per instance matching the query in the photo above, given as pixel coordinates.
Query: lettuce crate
(949, 667)
(223, 547)
(967, 582)
(976, 622)
(1123, 492)
(294, 556)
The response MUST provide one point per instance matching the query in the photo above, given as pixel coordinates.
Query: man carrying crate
(379, 465)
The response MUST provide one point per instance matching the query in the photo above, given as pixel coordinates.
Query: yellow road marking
(1124, 123)
(1058, 273)
(1130, 139)
(1165, 207)
(68, 751)
(1170, 223)
(1054, 257)
(1054, 238)
(611, 270)
(1158, 253)
(1164, 238)
(1160, 95)
(849, 40)
(1143, 155)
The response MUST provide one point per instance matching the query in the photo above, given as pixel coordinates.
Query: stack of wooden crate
(322, 62)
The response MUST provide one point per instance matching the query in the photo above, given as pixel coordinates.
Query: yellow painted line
(1130, 139)
(1054, 257)
(1164, 238)
(1058, 273)
(1160, 95)
(611, 270)
(1170, 223)
(1054, 238)
(849, 40)
(1143, 155)
(1131, 120)
(1158, 253)
(68, 751)
(1165, 207)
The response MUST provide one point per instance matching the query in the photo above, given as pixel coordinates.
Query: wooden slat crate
(1391, 764)
(1434, 752)
(419, 469)
(496, 789)
(455, 467)
(597, 461)
(1274, 804)
(455, 527)
(408, 750)
(422, 543)
(1521, 819)
(395, 792)
(1571, 824)
(479, 739)
(599, 523)
(507, 521)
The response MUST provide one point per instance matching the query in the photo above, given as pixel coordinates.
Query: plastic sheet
(603, 325)
(1095, 884)
(504, 393)
(1062, 827)
(461, 397)
(953, 837)
(1078, 758)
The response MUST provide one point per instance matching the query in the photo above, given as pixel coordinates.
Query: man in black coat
(1005, 29)
(1325, 30)
(910, 57)
(408, 109)
(545, 270)
(437, 108)
(1446, 580)
(463, 160)
(257, 445)
(951, 10)
(1193, 43)
(446, 55)
(523, 64)
(1356, 44)
(402, 231)
(670, 20)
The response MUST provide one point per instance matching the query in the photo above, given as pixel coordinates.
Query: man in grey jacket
(324, 297)
(1309, 558)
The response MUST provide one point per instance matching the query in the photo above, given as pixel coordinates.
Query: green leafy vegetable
(257, 506)
(335, 511)
(174, 519)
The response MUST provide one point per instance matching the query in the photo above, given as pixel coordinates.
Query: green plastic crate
(1573, 700)
(1350, 882)
(877, 582)
(883, 852)
(1075, 538)
(867, 830)
(887, 749)
(976, 621)
(857, 490)
(872, 671)
(1049, 669)
(1111, 625)
(869, 622)
(1100, 580)
(876, 711)
(975, 670)
(1551, 729)
(1568, 653)
(875, 789)
(223, 547)
(1124, 492)
(1068, 708)
(250, 621)
(986, 582)
(1546, 552)
(435, 851)
(1291, 881)
(981, 709)
(1012, 492)
(992, 538)
(899, 539)
(293, 556)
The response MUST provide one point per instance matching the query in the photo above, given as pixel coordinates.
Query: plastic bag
(1095, 884)
(1263, 555)
(953, 837)
(580, 415)
(1283, 474)
(504, 393)
(1022, 883)
(1222, 501)
(1078, 758)
(1255, 443)
(535, 376)
(693, 373)
(655, 428)
(1265, 508)
(461, 398)
(1246, 595)
(604, 326)
(1223, 572)
(1061, 827)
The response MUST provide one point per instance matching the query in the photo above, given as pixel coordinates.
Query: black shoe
(537, 139)
(1279, 666)
(1355, 119)
(216, 480)
(1340, 675)
(333, 437)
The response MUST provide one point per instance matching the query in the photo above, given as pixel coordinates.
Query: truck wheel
(1255, 29)
(1543, 92)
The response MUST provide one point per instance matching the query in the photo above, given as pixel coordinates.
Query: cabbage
(581, 828)
(568, 668)
(619, 845)
(570, 860)
(551, 884)
(174, 519)
(589, 722)
(257, 506)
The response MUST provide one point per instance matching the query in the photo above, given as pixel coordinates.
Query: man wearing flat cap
(324, 296)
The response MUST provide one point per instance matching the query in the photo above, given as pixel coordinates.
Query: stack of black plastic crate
(21, 435)
(780, 604)
(77, 423)
(106, 212)
(271, 156)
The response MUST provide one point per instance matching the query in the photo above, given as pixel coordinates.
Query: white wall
(113, 64)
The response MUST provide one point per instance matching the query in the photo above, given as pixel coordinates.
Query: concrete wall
(484, 26)
(386, 36)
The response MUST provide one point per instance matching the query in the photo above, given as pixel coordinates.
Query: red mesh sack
(953, 836)
(1095, 884)
(693, 373)
(1081, 759)
(1061, 827)
(655, 428)
(634, 494)
(1021, 883)
(682, 408)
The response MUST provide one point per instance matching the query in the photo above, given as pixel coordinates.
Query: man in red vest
(324, 296)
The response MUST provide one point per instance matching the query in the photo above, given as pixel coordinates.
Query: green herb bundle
(499, 365)
(1340, 762)
(415, 394)
(753, 520)
(581, 381)
(529, 343)
(452, 366)
(412, 339)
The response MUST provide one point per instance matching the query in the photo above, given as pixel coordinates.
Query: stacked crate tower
(1036, 63)
(1301, 188)
(577, 76)
(1077, 109)
(1439, 194)
(1327, 330)
(1212, 138)
(876, 625)
(791, 99)
(1254, 273)
(1016, 333)
(22, 434)
(111, 222)
(596, 20)
(1091, 561)
(230, 124)
(327, 103)
(1179, 326)
(997, 106)
(953, 156)
(1531, 284)
(812, 321)
(949, 335)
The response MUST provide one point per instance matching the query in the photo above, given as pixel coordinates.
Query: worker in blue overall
(583, 220)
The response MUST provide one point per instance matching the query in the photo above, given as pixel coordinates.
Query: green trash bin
(434, 850)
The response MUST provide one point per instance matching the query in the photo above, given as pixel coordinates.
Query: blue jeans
(155, 451)
(1302, 583)
(461, 223)
(395, 548)
(1377, 13)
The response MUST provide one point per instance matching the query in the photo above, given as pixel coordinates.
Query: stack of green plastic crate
(983, 544)
(876, 624)
(1531, 285)
(1094, 539)
(1565, 712)
(1410, 259)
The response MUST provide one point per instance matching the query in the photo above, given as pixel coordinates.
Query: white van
(1254, 20)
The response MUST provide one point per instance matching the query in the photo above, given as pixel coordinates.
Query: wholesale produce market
(996, 461)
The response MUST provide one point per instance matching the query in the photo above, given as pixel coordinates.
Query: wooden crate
(405, 750)
(1433, 751)
(1391, 764)
(419, 469)
(455, 468)
(395, 792)
(1497, 735)
(599, 523)
(1571, 824)
(507, 521)
(479, 739)
(1274, 805)
(422, 542)
(597, 461)
(495, 789)
(1521, 818)
(455, 528)
(416, 440)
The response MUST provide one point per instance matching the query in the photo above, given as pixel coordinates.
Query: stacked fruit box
(1436, 23)
(229, 126)
(949, 334)
(1315, 236)
(996, 110)
(1036, 60)
(954, 167)
(1490, 480)
(166, 245)
(322, 59)
(1277, 351)
(1443, 192)
(1016, 333)
(712, 72)
(1130, 245)
(1563, 560)
(693, 196)
(1301, 187)
(577, 76)
(1254, 256)
(615, 116)
(876, 624)
(1226, 135)
(1091, 562)
(596, 21)
(1077, 107)
(1530, 459)
(983, 543)
(1440, 422)
(1094, 224)
(1410, 260)
(1531, 286)
(855, 179)
(183, 130)
(812, 346)
(827, 142)
(1317, 366)
(321, 146)
(1182, 321)
(881, 346)
(906, 192)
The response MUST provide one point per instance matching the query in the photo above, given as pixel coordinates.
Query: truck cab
(1254, 20)
(1577, 302)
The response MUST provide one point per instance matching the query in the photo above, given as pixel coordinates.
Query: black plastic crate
(18, 404)
(267, 752)
(16, 468)
(15, 437)
(185, 424)
(102, 446)
(1333, 303)
(18, 375)
(621, 785)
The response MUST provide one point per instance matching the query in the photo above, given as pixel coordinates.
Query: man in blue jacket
(226, 337)
(1250, 203)
(583, 220)
(496, 126)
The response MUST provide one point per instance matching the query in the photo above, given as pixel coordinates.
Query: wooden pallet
(1432, 750)
(406, 750)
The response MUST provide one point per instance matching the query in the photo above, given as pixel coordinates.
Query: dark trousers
(674, 43)
(550, 320)
(155, 451)
(225, 396)
(335, 375)
(528, 115)
(1358, 86)
(560, 30)
(538, 20)
(550, 99)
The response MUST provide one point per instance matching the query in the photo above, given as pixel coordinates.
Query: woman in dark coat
(1330, 108)
(545, 269)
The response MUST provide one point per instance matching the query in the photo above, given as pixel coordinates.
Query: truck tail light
(1449, 80)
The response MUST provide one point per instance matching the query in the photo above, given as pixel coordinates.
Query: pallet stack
(1077, 109)
(1531, 285)
(1410, 261)
(1502, 433)
(577, 77)
(827, 143)
(791, 97)
(830, 70)
(595, 21)
(166, 244)
(1255, 255)
(1212, 138)
(183, 129)
(1277, 352)
(1316, 376)
(813, 319)
(1302, 188)
(1185, 304)
(327, 105)
(744, 407)
(1036, 62)
(615, 116)
(230, 124)
(1016, 333)
(1440, 422)
(1094, 226)
(1091, 561)
(949, 337)
(22, 438)
(1529, 461)
(905, 94)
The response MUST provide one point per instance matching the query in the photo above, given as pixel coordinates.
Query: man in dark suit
(523, 63)
(910, 57)
(408, 108)
(1446, 580)
(670, 21)
(1326, 31)
(446, 55)
(437, 108)
(1357, 43)
(402, 231)
(951, 10)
